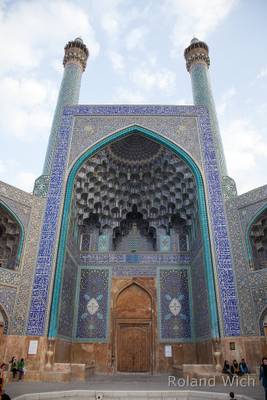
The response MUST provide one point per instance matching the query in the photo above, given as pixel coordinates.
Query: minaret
(75, 58)
(197, 64)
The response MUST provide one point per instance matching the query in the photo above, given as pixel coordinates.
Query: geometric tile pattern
(92, 318)
(250, 284)
(174, 305)
(68, 94)
(153, 259)
(42, 279)
(7, 300)
(67, 298)
(200, 298)
(225, 271)
(165, 243)
(103, 243)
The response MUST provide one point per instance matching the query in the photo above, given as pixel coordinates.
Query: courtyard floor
(127, 383)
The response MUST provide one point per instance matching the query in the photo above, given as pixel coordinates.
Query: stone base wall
(99, 355)
(18, 346)
(252, 348)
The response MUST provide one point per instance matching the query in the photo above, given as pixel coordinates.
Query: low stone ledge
(124, 395)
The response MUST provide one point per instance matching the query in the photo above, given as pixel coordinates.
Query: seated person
(226, 368)
(243, 367)
(235, 368)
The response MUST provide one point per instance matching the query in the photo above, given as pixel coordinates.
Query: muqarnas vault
(134, 239)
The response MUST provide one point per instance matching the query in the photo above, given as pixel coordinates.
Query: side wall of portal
(251, 284)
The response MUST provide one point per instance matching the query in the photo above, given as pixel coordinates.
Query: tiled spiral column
(197, 64)
(76, 55)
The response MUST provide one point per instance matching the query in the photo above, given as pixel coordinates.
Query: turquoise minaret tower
(197, 64)
(75, 58)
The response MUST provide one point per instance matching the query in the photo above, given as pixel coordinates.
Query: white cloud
(148, 79)
(117, 60)
(12, 172)
(36, 30)
(262, 73)
(117, 16)
(225, 100)
(25, 181)
(128, 96)
(135, 38)
(110, 23)
(245, 150)
(26, 106)
(2, 168)
(197, 18)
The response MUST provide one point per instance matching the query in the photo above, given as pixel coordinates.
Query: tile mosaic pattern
(225, 272)
(7, 300)
(181, 128)
(202, 95)
(41, 186)
(113, 258)
(67, 298)
(103, 243)
(17, 201)
(9, 277)
(174, 306)
(165, 243)
(27, 270)
(200, 298)
(133, 270)
(68, 94)
(93, 301)
(37, 317)
(43, 271)
(259, 296)
(250, 284)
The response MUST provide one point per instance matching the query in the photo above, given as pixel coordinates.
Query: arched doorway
(133, 333)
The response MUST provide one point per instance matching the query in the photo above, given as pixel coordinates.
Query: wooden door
(133, 347)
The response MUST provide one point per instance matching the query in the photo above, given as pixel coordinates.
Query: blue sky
(136, 56)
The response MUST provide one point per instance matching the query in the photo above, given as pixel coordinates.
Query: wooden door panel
(133, 347)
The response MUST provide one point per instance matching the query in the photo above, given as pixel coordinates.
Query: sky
(136, 56)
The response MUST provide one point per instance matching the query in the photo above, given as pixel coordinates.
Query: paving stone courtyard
(124, 383)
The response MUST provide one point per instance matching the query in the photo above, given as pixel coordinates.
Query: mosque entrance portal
(136, 268)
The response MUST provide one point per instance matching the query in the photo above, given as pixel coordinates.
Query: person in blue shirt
(243, 367)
